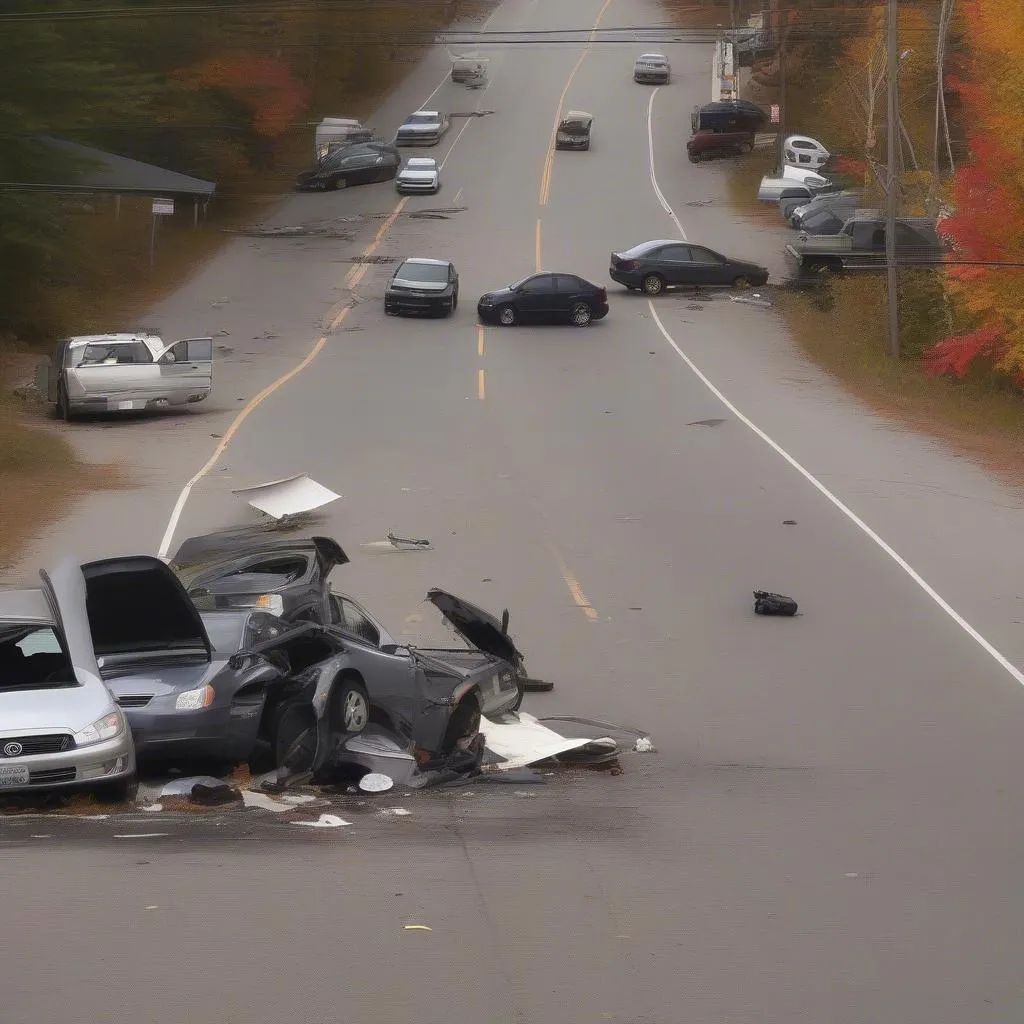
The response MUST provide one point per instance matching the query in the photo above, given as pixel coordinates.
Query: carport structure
(98, 172)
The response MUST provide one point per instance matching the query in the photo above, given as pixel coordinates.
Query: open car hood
(244, 562)
(477, 627)
(136, 605)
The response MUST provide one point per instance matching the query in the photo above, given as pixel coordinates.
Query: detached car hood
(477, 627)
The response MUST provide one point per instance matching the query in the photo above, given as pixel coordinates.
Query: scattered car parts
(766, 603)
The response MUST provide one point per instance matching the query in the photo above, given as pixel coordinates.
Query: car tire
(121, 791)
(455, 300)
(741, 282)
(653, 284)
(337, 183)
(580, 315)
(349, 711)
(694, 158)
(506, 316)
(64, 403)
(450, 308)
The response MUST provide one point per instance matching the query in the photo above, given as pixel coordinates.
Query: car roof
(654, 242)
(421, 161)
(427, 262)
(648, 56)
(25, 606)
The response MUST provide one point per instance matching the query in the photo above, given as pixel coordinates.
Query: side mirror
(239, 658)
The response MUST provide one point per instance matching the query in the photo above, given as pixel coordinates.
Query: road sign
(775, 113)
(163, 207)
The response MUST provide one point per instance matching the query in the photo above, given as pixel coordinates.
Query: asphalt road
(829, 828)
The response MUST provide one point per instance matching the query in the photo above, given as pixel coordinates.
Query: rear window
(643, 249)
(32, 658)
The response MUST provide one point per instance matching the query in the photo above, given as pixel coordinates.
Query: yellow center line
(575, 589)
(536, 245)
(358, 272)
(545, 178)
(479, 340)
(481, 387)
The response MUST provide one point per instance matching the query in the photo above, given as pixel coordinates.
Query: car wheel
(120, 792)
(63, 403)
(455, 300)
(506, 316)
(694, 158)
(350, 708)
(748, 148)
(335, 183)
(450, 309)
(741, 282)
(581, 314)
(653, 284)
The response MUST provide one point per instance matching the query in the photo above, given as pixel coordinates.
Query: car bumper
(212, 732)
(651, 79)
(418, 140)
(416, 303)
(572, 143)
(83, 766)
(138, 403)
(629, 278)
(412, 187)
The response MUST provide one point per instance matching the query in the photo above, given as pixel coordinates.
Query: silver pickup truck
(125, 372)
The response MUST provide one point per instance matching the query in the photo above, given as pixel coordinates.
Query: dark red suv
(706, 143)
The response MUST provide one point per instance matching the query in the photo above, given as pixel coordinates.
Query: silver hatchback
(59, 725)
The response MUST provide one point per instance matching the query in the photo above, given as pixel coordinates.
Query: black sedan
(357, 164)
(545, 299)
(655, 266)
(422, 286)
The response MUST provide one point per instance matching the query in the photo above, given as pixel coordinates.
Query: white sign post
(161, 208)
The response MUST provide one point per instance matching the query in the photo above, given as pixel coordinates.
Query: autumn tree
(986, 227)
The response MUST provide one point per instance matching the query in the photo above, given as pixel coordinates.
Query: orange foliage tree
(263, 85)
(987, 225)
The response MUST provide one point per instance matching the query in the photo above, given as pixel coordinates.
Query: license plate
(13, 775)
(128, 405)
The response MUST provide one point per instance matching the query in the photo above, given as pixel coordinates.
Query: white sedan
(420, 174)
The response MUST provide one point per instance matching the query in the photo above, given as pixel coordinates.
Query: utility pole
(891, 156)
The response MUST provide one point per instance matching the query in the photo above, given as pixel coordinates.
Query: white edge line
(186, 491)
(650, 166)
(989, 648)
(848, 512)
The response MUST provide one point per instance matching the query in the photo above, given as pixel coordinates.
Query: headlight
(105, 728)
(273, 603)
(194, 700)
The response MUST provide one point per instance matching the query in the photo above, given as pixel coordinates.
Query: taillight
(604, 294)
(628, 264)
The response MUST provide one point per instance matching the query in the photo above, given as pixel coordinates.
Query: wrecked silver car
(125, 372)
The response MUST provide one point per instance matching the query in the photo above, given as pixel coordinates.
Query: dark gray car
(357, 164)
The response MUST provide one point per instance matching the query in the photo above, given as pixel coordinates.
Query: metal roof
(119, 175)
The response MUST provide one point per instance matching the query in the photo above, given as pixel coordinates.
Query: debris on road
(375, 782)
(291, 496)
(324, 821)
(407, 542)
(753, 300)
(643, 745)
(766, 603)
(706, 423)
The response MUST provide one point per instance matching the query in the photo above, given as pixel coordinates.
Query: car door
(676, 264)
(569, 290)
(187, 365)
(536, 299)
(710, 267)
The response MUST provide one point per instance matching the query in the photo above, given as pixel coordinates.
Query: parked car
(573, 130)
(728, 115)
(860, 245)
(59, 726)
(837, 204)
(545, 298)
(803, 151)
(422, 285)
(356, 164)
(125, 372)
(706, 143)
(422, 128)
(420, 174)
(470, 70)
(652, 68)
(772, 189)
(664, 263)
(334, 132)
